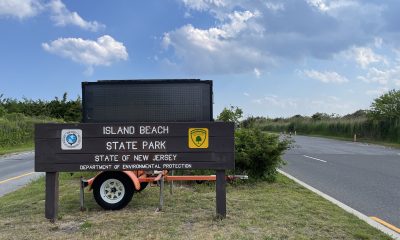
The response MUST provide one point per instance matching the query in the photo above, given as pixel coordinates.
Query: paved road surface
(363, 176)
(16, 171)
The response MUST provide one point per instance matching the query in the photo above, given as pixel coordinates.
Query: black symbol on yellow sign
(198, 138)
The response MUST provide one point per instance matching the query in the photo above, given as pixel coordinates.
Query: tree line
(59, 108)
(381, 122)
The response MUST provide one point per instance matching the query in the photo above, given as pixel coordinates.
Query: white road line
(315, 158)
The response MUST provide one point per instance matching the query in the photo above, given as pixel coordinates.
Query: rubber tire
(143, 185)
(124, 179)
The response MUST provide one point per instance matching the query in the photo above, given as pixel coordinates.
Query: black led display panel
(147, 101)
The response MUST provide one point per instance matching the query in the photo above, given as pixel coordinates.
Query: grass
(281, 210)
(350, 139)
(17, 131)
(16, 149)
(383, 131)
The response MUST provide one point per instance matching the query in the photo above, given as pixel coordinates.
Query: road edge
(348, 209)
(5, 155)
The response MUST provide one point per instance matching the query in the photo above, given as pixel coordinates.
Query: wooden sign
(133, 146)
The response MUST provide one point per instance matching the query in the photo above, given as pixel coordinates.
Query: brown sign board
(133, 146)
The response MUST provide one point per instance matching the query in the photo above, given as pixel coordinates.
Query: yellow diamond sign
(198, 138)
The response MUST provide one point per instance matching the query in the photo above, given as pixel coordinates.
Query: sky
(270, 58)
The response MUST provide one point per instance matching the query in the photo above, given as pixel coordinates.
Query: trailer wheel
(143, 185)
(113, 190)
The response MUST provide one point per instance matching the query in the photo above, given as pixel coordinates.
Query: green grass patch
(280, 210)
(16, 149)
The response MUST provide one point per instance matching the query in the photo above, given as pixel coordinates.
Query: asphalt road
(363, 176)
(16, 171)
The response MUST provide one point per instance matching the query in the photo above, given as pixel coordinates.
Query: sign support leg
(160, 207)
(221, 194)
(51, 201)
(171, 183)
(82, 195)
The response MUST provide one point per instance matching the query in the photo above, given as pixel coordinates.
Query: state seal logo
(71, 139)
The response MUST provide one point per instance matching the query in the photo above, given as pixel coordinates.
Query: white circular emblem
(71, 139)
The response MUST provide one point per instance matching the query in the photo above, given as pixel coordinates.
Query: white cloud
(20, 8)
(60, 14)
(216, 49)
(319, 4)
(377, 92)
(382, 76)
(246, 94)
(258, 101)
(257, 72)
(104, 51)
(275, 7)
(366, 56)
(331, 5)
(62, 17)
(275, 101)
(280, 32)
(202, 5)
(325, 77)
(272, 105)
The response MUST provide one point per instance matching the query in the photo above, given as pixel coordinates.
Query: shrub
(16, 129)
(232, 114)
(3, 111)
(259, 154)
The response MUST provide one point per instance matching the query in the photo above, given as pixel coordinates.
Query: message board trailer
(166, 100)
(133, 146)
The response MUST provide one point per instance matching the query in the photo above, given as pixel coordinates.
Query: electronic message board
(147, 101)
(133, 146)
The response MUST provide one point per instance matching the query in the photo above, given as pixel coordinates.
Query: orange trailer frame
(138, 177)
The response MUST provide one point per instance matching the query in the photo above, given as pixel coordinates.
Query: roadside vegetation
(17, 130)
(68, 110)
(261, 210)
(380, 123)
(257, 154)
(18, 117)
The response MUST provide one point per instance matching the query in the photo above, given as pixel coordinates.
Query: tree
(357, 114)
(231, 114)
(3, 111)
(386, 107)
(320, 116)
(198, 139)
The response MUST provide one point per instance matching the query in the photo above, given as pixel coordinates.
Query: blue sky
(271, 58)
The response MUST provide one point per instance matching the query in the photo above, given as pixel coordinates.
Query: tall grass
(377, 130)
(16, 129)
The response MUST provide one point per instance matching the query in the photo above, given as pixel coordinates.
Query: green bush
(3, 111)
(259, 154)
